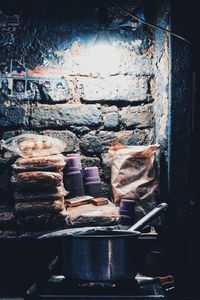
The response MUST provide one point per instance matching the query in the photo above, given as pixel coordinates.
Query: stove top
(54, 286)
(58, 287)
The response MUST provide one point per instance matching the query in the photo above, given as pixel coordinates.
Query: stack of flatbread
(38, 189)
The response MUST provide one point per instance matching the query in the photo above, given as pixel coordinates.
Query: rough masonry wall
(94, 109)
(158, 12)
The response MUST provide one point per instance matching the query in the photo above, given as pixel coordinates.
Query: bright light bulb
(102, 58)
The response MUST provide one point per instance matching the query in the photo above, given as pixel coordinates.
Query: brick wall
(129, 103)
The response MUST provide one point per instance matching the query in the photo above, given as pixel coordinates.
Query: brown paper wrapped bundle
(134, 176)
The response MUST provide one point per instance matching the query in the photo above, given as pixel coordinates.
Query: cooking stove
(55, 286)
(59, 287)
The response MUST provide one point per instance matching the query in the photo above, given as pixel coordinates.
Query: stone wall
(127, 104)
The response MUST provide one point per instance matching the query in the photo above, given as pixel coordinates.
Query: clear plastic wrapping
(43, 221)
(36, 179)
(91, 215)
(40, 163)
(37, 208)
(22, 196)
(31, 145)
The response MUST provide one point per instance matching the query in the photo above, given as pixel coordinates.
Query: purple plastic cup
(127, 207)
(72, 164)
(91, 175)
(127, 204)
(77, 155)
(91, 172)
(92, 182)
(73, 183)
(72, 175)
(93, 189)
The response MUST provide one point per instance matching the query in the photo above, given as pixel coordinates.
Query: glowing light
(102, 57)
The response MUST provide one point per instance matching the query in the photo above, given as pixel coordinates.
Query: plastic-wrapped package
(29, 198)
(43, 221)
(36, 179)
(54, 163)
(30, 145)
(92, 215)
(34, 208)
(134, 176)
(48, 196)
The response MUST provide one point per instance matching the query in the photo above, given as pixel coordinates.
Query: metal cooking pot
(105, 254)
(101, 256)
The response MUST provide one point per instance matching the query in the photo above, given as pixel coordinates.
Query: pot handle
(149, 217)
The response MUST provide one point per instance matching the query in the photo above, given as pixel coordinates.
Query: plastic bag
(43, 163)
(39, 198)
(59, 193)
(134, 176)
(44, 221)
(30, 145)
(36, 179)
(40, 190)
(89, 214)
(37, 208)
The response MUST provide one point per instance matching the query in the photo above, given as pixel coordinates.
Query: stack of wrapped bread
(37, 181)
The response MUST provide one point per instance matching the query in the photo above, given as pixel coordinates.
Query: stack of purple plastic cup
(92, 182)
(73, 178)
(78, 159)
(127, 211)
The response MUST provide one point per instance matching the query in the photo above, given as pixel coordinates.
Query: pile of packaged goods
(52, 191)
(37, 181)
